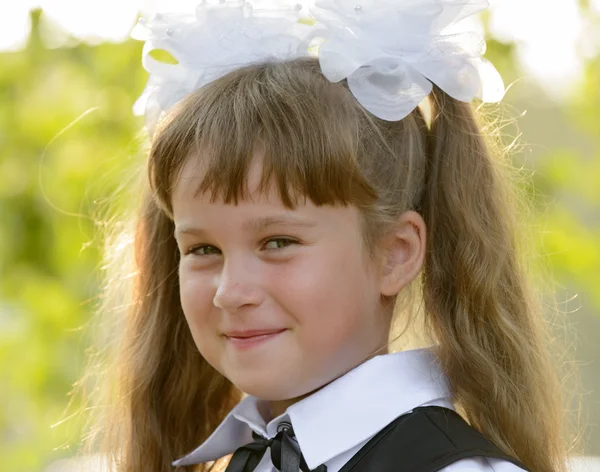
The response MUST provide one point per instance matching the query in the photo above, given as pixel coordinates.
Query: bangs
(304, 127)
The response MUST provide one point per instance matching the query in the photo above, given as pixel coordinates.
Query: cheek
(196, 298)
(196, 295)
(329, 294)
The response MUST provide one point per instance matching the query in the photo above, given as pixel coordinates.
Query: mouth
(249, 339)
(252, 333)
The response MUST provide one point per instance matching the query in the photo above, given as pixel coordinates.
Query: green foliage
(67, 140)
(569, 180)
(55, 173)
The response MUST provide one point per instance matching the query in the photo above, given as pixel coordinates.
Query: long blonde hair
(478, 306)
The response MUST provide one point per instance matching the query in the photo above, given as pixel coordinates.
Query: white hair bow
(390, 51)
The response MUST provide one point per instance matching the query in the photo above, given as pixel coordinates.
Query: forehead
(258, 210)
(193, 173)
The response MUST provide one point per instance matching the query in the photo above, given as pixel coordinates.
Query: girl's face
(261, 266)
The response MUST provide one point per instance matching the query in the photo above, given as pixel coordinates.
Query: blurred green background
(68, 141)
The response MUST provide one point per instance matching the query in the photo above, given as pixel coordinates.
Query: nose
(237, 286)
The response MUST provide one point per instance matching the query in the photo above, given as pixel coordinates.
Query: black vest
(425, 440)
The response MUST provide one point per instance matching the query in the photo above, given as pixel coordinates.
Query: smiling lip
(249, 342)
(252, 333)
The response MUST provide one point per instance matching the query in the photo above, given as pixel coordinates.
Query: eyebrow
(257, 224)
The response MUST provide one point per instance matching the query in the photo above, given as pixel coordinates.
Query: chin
(269, 388)
(273, 390)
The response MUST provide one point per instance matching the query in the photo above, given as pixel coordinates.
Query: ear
(404, 253)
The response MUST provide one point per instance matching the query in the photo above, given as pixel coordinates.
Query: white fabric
(390, 51)
(215, 40)
(332, 424)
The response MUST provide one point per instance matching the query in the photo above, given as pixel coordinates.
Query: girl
(297, 208)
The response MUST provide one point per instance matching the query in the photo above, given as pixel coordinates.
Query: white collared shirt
(334, 423)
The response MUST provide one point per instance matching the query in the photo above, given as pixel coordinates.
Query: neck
(278, 407)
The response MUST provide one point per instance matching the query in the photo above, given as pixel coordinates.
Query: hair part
(319, 143)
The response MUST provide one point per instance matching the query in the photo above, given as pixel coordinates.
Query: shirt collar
(341, 415)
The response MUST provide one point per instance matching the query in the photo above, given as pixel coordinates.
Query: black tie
(284, 455)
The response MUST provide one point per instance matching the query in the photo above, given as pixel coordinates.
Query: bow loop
(247, 457)
(390, 51)
(416, 38)
(285, 454)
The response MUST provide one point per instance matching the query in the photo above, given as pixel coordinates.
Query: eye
(270, 244)
(279, 243)
(203, 250)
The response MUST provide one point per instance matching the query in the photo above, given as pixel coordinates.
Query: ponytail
(478, 307)
(163, 398)
(489, 329)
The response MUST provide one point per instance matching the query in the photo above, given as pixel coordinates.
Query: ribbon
(284, 455)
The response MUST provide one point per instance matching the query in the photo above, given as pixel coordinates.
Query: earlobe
(405, 253)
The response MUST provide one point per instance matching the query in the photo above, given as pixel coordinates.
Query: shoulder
(481, 464)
